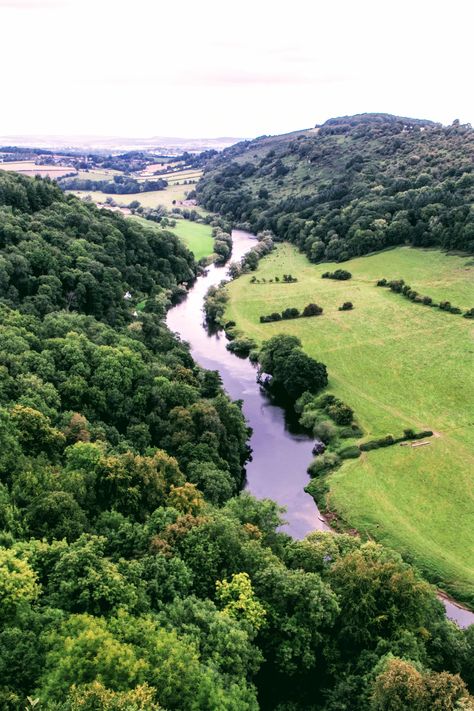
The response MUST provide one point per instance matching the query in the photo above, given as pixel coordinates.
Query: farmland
(153, 198)
(397, 364)
(29, 167)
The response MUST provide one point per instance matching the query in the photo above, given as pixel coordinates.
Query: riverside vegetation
(127, 565)
(419, 501)
(133, 573)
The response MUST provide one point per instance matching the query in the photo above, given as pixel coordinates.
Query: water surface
(280, 456)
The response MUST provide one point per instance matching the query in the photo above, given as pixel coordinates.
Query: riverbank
(280, 454)
(418, 501)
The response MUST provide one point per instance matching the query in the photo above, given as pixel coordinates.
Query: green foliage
(18, 584)
(357, 185)
(237, 600)
(132, 574)
(291, 369)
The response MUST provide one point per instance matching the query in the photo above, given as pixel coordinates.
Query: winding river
(280, 455)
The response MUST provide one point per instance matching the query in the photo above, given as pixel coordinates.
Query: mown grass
(398, 364)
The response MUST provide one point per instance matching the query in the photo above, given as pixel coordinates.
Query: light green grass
(169, 198)
(197, 237)
(397, 364)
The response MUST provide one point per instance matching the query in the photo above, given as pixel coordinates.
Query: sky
(141, 68)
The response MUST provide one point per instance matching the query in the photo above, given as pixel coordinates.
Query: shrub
(352, 431)
(241, 346)
(325, 431)
(341, 413)
(312, 310)
(382, 282)
(290, 313)
(469, 313)
(386, 441)
(323, 463)
(346, 306)
(351, 452)
(340, 274)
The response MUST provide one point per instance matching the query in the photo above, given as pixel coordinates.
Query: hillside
(132, 573)
(352, 186)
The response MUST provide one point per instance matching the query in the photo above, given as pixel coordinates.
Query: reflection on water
(280, 453)
(280, 456)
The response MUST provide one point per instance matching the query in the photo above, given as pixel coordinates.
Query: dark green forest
(134, 575)
(354, 185)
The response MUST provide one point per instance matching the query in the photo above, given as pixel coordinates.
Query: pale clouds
(145, 67)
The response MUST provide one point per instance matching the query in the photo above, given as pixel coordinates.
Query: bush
(382, 282)
(323, 463)
(339, 274)
(290, 313)
(241, 346)
(346, 306)
(341, 413)
(352, 431)
(312, 310)
(325, 431)
(386, 441)
(351, 452)
(469, 313)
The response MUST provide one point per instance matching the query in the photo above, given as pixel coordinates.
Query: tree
(238, 600)
(18, 584)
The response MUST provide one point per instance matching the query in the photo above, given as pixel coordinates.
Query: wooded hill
(132, 576)
(354, 185)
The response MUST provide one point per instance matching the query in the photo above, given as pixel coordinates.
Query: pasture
(398, 364)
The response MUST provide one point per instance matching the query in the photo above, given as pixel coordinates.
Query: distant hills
(100, 144)
(354, 185)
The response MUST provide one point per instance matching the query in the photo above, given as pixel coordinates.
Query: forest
(135, 574)
(355, 185)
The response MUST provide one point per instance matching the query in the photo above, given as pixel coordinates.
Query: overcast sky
(244, 68)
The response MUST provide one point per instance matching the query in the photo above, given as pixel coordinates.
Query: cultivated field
(28, 167)
(397, 364)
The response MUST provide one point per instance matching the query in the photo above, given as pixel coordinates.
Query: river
(280, 456)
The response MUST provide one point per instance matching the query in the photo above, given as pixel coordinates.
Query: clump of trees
(292, 313)
(339, 274)
(120, 185)
(293, 371)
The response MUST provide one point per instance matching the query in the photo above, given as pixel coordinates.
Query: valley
(398, 364)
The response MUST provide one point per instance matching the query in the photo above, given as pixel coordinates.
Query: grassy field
(29, 167)
(197, 237)
(397, 364)
(153, 198)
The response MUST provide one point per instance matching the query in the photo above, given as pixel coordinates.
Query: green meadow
(196, 236)
(398, 364)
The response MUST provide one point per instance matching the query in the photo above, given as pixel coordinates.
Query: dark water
(280, 456)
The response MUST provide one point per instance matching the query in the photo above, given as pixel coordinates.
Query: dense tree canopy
(133, 576)
(352, 186)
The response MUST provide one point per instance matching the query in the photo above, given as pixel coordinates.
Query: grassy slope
(197, 237)
(397, 364)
